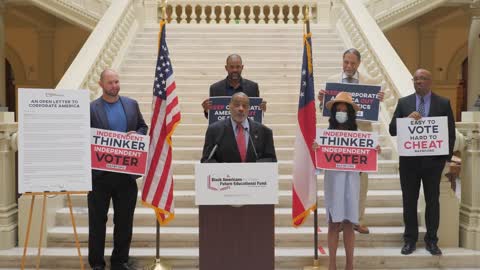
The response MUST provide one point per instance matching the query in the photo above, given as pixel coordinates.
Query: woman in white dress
(342, 188)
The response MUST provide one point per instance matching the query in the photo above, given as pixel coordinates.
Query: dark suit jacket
(439, 106)
(98, 119)
(221, 133)
(219, 89)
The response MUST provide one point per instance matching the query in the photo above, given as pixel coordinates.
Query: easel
(27, 236)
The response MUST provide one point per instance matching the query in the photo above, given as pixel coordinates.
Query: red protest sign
(343, 150)
(118, 152)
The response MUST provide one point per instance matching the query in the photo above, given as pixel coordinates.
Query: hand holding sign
(415, 115)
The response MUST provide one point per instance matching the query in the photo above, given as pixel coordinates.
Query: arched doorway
(10, 88)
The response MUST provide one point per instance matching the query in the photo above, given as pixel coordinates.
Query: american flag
(158, 186)
(304, 188)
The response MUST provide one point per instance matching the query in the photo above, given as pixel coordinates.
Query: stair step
(285, 166)
(285, 258)
(186, 198)
(60, 236)
(380, 182)
(188, 217)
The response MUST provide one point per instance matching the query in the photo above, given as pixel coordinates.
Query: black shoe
(433, 249)
(408, 248)
(98, 267)
(123, 266)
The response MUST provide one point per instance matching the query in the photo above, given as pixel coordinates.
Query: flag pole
(316, 261)
(158, 264)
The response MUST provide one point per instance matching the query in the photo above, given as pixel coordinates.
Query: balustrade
(240, 12)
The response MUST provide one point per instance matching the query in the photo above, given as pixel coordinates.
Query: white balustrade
(240, 12)
(103, 48)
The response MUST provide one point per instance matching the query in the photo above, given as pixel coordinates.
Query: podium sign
(236, 183)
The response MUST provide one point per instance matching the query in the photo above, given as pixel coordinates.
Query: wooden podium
(236, 221)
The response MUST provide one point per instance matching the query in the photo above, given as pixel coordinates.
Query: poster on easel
(53, 140)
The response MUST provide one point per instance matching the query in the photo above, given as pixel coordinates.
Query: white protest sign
(425, 137)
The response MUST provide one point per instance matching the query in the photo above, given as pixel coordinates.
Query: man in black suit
(113, 112)
(234, 83)
(425, 169)
(224, 134)
(232, 140)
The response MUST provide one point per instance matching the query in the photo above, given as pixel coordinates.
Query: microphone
(215, 147)
(212, 152)
(251, 142)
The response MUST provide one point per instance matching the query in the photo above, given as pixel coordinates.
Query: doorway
(10, 88)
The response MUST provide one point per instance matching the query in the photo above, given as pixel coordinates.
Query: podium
(236, 215)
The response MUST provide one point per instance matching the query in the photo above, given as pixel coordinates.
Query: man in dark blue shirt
(113, 112)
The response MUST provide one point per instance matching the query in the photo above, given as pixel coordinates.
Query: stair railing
(104, 48)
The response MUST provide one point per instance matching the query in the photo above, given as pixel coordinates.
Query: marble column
(474, 57)
(470, 198)
(8, 205)
(3, 93)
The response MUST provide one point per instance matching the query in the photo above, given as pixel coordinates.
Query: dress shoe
(98, 267)
(123, 266)
(433, 249)
(361, 229)
(408, 248)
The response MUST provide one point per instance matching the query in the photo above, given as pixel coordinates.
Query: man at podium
(237, 237)
(230, 140)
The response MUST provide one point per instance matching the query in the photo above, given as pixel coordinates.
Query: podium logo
(220, 183)
(215, 183)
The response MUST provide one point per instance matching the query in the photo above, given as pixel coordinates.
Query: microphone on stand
(215, 147)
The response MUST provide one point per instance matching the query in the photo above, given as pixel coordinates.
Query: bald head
(233, 57)
(107, 72)
(422, 81)
(110, 85)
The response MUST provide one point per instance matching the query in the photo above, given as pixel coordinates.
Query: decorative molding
(83, 13)
(391, 14)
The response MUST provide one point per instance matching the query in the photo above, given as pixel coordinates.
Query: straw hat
(343, 97)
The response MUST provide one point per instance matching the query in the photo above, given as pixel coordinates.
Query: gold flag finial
(164, 9)
(307, 13)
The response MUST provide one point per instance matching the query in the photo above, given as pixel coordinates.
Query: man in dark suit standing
(237, 139)
(424, 169)
(234, 83)
(231, 147)
(112, 112)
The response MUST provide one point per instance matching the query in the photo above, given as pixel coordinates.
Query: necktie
(241, 143)
(421, 107)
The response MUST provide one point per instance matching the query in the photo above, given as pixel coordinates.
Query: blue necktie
(421, 107)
